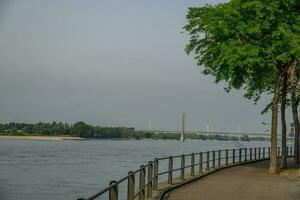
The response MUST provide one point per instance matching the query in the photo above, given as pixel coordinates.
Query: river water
(63, 170)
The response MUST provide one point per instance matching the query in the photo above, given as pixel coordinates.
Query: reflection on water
(34, 170)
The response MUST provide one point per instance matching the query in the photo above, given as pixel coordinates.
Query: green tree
(249, 44)
(245, 138)
(82, 129)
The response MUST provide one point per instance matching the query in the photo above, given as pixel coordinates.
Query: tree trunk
(297, 125)
(283, 122)
(296, 122)
(273, 163)
(294, 80)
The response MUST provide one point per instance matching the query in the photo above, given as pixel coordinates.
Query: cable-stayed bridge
(223, 133)
(184, 132)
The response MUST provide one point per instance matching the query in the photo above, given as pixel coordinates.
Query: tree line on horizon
(81, 129)
(253, 45)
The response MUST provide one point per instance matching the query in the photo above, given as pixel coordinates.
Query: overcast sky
(110, 63)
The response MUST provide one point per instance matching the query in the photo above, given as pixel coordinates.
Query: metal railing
(178, 169)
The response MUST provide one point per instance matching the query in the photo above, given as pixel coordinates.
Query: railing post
(291, 151)
(142, 183)
(264, 152)
(193, 164)
(246, 155)
(113, 191)
(200, 162)
(240, 155)
(213, 159)
(182, 167)
(251, 154)
(170, 173)
(219, 158)
(269, 152)
(155, 174)
(150, 181)
(259, 153)
(207, 160)
(255, 153)
(130, 186)
(226, 157)
(233, 156)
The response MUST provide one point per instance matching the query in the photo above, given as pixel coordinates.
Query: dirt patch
(292, 174)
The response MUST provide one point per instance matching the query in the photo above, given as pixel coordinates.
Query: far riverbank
(48, 138)
(83, 130)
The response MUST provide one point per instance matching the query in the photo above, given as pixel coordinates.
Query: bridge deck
(247, 182)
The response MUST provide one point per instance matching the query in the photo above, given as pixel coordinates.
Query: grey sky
(111, 63)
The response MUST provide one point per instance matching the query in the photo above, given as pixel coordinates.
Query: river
(67, 170)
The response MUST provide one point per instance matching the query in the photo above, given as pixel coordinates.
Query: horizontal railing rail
(148, 175)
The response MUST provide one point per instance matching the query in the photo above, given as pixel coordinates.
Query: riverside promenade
(247, 182)
(230, 174)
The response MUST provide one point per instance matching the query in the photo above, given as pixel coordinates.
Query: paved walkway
(246, 182)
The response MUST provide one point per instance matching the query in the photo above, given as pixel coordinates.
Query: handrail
(148, 175)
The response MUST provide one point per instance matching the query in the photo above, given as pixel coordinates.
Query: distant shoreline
(47, 138)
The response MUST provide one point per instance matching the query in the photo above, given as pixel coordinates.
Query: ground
(247, 182)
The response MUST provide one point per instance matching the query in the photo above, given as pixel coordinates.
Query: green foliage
(245, 138)
(245, 42)
(79, 129)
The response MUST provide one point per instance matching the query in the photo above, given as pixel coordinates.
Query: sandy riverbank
(48, 138)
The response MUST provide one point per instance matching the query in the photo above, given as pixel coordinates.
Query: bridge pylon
(182, 137)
